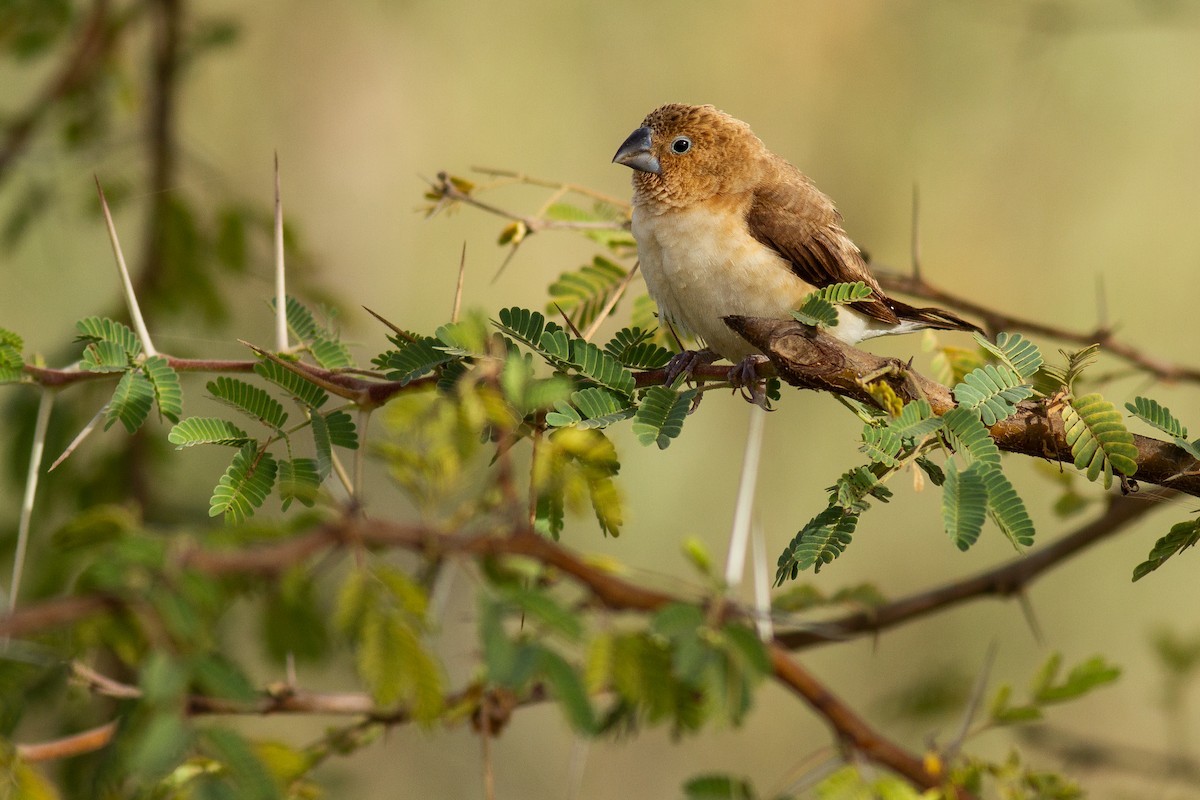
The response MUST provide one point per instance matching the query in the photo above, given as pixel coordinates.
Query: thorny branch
(609, 590)
(811, 359)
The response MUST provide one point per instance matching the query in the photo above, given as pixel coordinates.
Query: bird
(726, 227)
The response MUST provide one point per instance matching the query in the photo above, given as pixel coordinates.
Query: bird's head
(685, 154)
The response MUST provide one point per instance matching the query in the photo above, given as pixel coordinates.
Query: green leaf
(167, 391)
(342, 431)
(993, 392)
(636, 349)
(966, 433)
(842, 293)
(1049, 378)
(597, 408)
(1157, 416)
(467, 337)
(207, 430)
(1015, 351)
(916, 422)
(584, 293)
(569, 689)
(299, 387)
(244, 486)
(964, 504)
(412, 359)
(660, 415)
(599, 366)
(882, 445)
(540, 608)
(130, 402)
(936, 476)
(816, 312)
(250, 400)
(1098, 439)
(549, 512)
(101, 329)
(522, 324)
(12, 364)
(105, 357)
(612, 238)
(821, 540)
(298, 480)
(1007, 509)
(854, 486)
(246, 776)
(1181, 536)
(300, 320)
(1082, 679)
(330, 353)
(322, 445)
(718, 787)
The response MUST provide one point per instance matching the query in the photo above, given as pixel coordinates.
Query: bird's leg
(744, 376)
(685, 363)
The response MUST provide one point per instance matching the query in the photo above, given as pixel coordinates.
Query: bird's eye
(681, 145)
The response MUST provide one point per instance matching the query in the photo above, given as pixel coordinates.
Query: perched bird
(724, 226)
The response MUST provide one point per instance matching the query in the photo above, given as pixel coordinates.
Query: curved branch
(811, 359)
(1003, 581)
(848, 726)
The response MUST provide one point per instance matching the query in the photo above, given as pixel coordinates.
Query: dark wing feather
(792, 217)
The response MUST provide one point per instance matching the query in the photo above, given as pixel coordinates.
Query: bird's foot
(685, 363)
(743, 376)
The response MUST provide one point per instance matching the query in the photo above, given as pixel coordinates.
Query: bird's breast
(701, 264)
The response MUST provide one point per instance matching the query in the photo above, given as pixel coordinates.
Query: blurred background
(1055, 149)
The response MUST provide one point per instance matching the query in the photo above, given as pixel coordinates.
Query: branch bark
(811, 359)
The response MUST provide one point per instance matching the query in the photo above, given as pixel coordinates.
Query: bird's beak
(635, 153)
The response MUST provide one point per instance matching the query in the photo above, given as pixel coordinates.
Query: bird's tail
(936, 318)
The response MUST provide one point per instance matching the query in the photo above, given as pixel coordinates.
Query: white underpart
(701, 265)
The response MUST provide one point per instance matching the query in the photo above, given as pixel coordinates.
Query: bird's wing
(791, 216)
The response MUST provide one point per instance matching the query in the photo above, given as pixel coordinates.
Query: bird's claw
(743, 376)
(685, 363)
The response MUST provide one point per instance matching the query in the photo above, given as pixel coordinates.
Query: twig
(1003, 581)
(847, 725)
(88, 741)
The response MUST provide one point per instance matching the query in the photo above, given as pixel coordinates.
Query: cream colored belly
(700, 266)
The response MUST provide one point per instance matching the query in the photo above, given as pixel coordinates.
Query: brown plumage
(724, 226)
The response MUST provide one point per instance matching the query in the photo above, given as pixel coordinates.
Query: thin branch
(77, 744)
(458, 289)
(848, 726)
(1003, 581)
(612, 302)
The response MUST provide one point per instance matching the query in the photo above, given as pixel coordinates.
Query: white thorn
(735, 562)
(135, 311)
(281, 330)
(31, 482)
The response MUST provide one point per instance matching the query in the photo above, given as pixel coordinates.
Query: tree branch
(811, 359)
(1003, 581)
